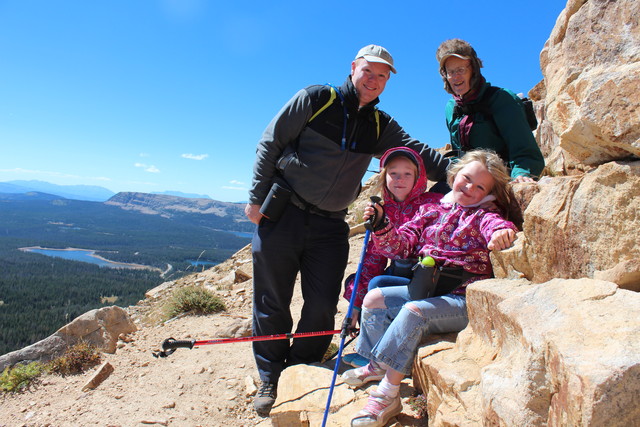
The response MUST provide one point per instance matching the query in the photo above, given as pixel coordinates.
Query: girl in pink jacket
(402, 182)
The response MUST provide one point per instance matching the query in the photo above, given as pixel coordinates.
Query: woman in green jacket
(482, 116)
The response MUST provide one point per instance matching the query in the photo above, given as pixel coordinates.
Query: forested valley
(39, 294)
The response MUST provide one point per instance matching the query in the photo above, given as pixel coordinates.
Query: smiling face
(369, 79)
(401, 174)
(459, 73)
(472, 184)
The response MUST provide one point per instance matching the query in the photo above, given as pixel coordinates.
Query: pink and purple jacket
(374, 263)
(453, 235)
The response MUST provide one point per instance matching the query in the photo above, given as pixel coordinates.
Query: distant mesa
(181, 194)
(169, 206)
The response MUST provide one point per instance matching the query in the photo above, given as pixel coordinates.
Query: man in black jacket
(313, 155)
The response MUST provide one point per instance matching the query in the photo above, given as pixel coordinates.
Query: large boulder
(303, 394)
(560, 353)
(591, 68)
(100, 328)
(580, 226)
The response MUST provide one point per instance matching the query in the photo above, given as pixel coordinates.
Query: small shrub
(333, 349)
(75, 360)
(196, 300)
(20, 376)
(419, 404)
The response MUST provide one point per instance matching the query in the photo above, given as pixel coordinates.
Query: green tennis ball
(428, 261)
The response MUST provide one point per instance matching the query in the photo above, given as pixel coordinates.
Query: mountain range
(91, 193)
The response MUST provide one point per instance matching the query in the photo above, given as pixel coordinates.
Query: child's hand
(501, 239)
(372, 210)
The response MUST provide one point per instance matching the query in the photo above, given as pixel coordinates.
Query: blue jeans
(386, 280)
(392, 335)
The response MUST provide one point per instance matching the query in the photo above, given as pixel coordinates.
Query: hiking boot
(378, 411)
(355, 360)
(265, 398)
(360, 376)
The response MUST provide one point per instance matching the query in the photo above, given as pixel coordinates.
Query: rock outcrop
(591, 68)
(580, 226)
(560, 353)
(100, 328)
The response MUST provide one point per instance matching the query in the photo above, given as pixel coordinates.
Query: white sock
(388, 389)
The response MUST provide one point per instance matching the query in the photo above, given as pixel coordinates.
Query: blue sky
(157, 95)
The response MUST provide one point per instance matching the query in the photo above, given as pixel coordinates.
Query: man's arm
(283, 130)
(394, 136)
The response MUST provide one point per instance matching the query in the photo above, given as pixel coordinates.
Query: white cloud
(194, 156)
(147, 168)
(236, 185)
(145, 155)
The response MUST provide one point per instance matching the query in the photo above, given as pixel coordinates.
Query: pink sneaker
(360, 376)
(379, 409)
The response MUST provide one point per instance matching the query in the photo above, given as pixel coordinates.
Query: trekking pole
(171, 344)
(346, 325)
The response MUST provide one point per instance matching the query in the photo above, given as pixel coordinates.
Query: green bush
(75, 360)
(20, 377)
(419, 404)
(195, 300)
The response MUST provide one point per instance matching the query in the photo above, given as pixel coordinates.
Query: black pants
(318, 248)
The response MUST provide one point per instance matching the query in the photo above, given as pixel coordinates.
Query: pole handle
(171, 344)
(372, 219)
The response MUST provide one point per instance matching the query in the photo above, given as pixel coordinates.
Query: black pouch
(277, 199)
(435, 281)
(403, 267)
(422, 284)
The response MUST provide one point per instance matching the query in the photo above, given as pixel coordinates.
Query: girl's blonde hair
(495, 166)
(381, 181)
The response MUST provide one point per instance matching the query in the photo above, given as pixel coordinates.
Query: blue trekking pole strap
(343, 144)
(347, 322)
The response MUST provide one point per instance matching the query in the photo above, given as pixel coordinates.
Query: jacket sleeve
(394, 135)
(525, 157)
(449, 120)
(492, 222)
(283, 130)
(401, 242)
(373, 265)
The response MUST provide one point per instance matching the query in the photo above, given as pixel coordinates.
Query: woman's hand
(523, 178)
(501, 239)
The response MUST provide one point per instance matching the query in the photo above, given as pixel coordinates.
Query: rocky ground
(206, 386)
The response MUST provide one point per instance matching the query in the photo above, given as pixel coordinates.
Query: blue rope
(346, 116)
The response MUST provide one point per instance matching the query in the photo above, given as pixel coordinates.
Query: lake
(82, 255)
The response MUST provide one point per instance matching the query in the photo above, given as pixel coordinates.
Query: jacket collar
(351, 97)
